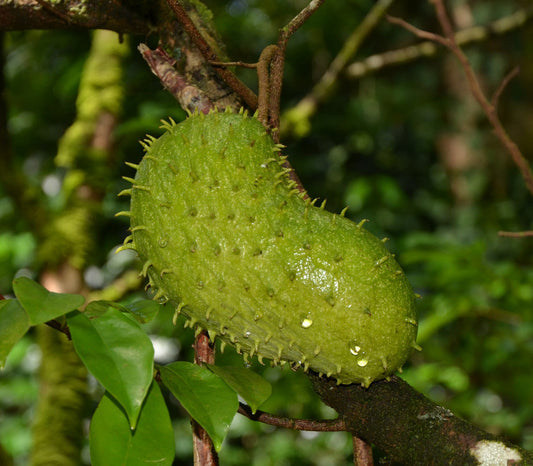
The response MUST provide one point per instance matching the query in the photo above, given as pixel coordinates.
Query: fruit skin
(227, 237)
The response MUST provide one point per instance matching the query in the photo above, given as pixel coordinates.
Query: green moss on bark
(58, 424)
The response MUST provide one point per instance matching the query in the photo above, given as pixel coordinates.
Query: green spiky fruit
(227, 237)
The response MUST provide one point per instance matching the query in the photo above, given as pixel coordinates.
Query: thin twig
(516, 234)
(328, 425)
(475, 87)
(377, 62)
(241, 64)
(505, 81)
(209, 54)
(350, 47)
(421, 33)
(61, 327)
(278, 61)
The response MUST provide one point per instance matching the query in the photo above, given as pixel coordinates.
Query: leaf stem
(328, 425)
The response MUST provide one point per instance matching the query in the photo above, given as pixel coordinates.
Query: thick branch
(412, 429)
(210, 55)
(117, 15)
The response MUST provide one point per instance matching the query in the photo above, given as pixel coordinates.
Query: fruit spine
(225, 234)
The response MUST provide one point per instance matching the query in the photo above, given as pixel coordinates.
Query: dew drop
(163, 242)
(362, 362)
(306, 323)
(355, 350)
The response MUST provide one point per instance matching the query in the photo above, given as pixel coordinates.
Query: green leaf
(14, 323)
(144, 310)
(204, 395)
(43, 305)
(112, 442)
(253, 388)
(99, 308)
(119, 355)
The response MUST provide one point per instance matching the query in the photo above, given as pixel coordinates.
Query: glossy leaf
(205, 396)
(112, 442)
(119, 355)
(144, 310)
(14, 323)
(99, 308)
(253, 388)
(43, 305)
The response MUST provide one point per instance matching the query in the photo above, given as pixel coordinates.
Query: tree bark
(123, 16)
(411, 428)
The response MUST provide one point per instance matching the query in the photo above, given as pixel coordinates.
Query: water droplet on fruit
(362, 362)
(306, 323)
(163, 242)
(355, 350)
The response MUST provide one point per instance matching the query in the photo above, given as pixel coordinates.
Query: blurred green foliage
(373, 146)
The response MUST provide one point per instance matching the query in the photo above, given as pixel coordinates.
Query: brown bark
(204, 450)
(411, 428)
(117, 15)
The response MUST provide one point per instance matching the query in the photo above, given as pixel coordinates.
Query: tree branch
(448, 40)
(412, 429)
(278, 61)
(204, 450)
(209, 54)
(329, 425)
(124, 16)
(297, 118)
(426, 49)
(515, 234)
(162, 65)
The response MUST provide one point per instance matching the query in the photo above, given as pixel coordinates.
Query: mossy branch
(124, 16)
(296, 120)
(412, 429)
